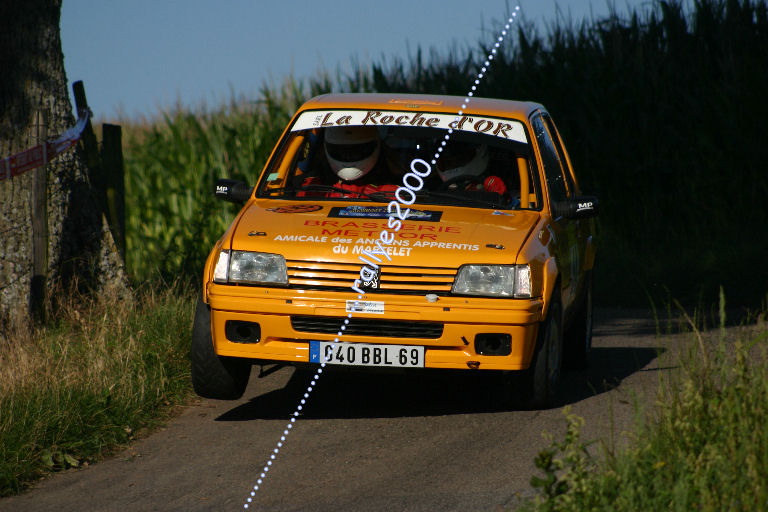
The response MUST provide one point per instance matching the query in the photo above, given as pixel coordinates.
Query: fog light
(238, 331)
(493, 344)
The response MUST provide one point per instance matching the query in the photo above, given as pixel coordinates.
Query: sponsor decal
(365, 306)
(416, 103)
(296, 208)
(509, 129)
(380, 212)
(447, 245)
(301, 238)
(371, 228)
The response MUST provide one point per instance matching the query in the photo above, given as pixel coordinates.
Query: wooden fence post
(91, 148)
(105, 170)
(39, 284)
(114, 177)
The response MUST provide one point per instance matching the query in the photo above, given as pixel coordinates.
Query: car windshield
(364, 155)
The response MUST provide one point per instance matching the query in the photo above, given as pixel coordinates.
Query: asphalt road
(410, 442)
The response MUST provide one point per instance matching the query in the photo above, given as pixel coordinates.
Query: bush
(705, 447)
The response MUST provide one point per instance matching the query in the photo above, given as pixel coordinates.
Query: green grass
(703, 447)
(100, 373)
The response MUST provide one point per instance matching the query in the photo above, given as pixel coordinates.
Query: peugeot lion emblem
(373, 284)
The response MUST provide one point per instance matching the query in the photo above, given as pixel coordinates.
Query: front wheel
(214, 376)
(538, 386)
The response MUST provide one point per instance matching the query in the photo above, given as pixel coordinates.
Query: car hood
(325, 231)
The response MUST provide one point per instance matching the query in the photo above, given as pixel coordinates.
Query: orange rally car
(404, 231)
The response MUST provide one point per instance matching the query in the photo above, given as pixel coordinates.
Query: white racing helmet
(352, 151)
(462, 159)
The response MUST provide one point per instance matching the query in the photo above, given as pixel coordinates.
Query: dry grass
(105, 367)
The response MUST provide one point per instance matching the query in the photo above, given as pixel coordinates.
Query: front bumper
(462, 319)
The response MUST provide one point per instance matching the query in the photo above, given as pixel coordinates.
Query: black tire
(214, 376)
(538, 386)
(578, 339)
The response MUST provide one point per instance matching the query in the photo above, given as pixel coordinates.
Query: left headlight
(494, 281)
(250, 267)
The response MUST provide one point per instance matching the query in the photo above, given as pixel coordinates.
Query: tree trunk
(81, 249)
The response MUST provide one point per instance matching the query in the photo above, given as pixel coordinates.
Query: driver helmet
(462, 159)
(352, 151)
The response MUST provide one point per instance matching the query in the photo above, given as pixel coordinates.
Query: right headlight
(494, 281)
(250, 267)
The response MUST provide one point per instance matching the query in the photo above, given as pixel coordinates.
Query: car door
(584, 228)
(565, 231)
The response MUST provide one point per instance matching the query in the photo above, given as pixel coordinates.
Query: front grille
(314, 275)
(367, 327)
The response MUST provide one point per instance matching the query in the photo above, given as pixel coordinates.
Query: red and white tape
(33, 157)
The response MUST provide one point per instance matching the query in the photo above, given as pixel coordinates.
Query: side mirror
(580, 207)
(232, 190)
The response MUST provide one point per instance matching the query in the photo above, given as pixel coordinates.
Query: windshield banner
(503, 128)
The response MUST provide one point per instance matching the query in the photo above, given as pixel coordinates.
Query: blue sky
(140, 56)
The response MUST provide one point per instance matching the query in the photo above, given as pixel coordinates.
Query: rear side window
(552, 169)
(561, 153)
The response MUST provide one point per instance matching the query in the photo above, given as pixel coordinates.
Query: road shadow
(356, 394)
(646, 322)
(628, 322)
(608, 366)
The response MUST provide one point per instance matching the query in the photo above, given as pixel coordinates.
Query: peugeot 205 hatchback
(402, 231)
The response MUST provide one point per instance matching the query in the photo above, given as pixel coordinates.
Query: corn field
(662, 113)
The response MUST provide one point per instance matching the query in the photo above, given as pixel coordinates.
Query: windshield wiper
(461, 198)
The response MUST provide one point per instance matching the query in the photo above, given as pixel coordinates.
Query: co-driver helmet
(462, 159)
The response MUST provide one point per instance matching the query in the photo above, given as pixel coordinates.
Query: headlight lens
(250, 267)
(494, 281)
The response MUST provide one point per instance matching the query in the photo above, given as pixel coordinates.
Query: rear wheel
(537, 387)
(578, 339)
(213, 376)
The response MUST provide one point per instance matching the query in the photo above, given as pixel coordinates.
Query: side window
(561, 154)
(552, 169)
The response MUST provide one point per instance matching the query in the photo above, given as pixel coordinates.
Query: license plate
(365, 354)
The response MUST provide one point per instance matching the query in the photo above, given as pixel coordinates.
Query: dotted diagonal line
(295, 414)
(316, 377)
